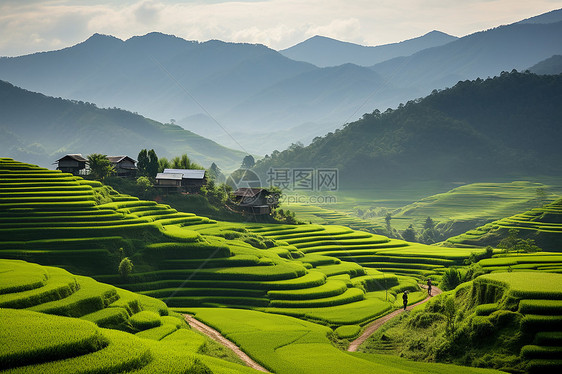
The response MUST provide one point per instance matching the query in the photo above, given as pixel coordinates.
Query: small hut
(254, 200)
(124, 166)
(72, 163)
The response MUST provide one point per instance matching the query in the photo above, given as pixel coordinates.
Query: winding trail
(374, 326)
(216, 336)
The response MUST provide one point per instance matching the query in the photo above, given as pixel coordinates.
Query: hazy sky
(31, 25)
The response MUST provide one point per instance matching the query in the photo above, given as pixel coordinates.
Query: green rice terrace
(511, 321)
(544, 225)
(455, 211)
(308, 288)
(54, 321)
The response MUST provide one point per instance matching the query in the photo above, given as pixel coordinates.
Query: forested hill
(39, 129)
(507, 126)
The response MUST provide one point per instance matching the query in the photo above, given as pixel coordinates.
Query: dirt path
(374, 326)
(216, 336)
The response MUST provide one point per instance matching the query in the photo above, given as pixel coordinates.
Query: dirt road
(216, 336)
(374, 326)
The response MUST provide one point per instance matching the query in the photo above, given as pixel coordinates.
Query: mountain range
(41, 129)
(507, 127)
(255, 99)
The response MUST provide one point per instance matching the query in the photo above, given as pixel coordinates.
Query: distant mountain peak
(324, 51)
(98, 37)
(437, 32)
(156, 35)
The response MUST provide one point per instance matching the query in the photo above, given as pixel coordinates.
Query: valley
(284, 198)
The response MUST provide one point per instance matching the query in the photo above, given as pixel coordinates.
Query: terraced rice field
(471, 205)
(510, 320)
(538, 297)
(544, 225)
(54, 321)
(550, 262)
(367, 250)
(181, 258)
(324, 216)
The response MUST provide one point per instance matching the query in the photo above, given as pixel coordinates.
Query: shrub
(145, 320)
(347, 331)
(481, 328)
(125, 267)
(424, 319)
(450, 279)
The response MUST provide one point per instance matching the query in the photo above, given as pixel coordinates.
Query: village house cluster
(256, 201)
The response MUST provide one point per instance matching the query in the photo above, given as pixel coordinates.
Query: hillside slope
(505, 127)
(41, 129)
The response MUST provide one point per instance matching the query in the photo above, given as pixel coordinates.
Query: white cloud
(43, 25)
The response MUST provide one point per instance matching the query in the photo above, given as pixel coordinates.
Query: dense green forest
(502, 127)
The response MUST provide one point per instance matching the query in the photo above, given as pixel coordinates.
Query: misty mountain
(552, 65)
(505, 127)
(480, 55)
(322, 51)
(39, 129)
(254, 98)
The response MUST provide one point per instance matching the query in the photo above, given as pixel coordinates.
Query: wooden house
(124, 166)
(254, 200)
(188, 180)
(170, 182)
(192, 179)
(73, 163)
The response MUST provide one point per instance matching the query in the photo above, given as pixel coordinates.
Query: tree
(409, 234)
(142, 163)
(248, 162)
(508, 243)
(183, 162)
(163, 164)
(387, 220)
(429, 224)
(125, 267)
(513, 243)
(152, 167)
(100, 166)
(145, 189)
(527, 245)
(541, 195)
(215, 173)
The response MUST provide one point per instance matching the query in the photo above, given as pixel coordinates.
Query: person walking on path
(429, 286)
(405, 299)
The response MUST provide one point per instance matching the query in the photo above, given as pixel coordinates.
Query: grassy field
(510, 321)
